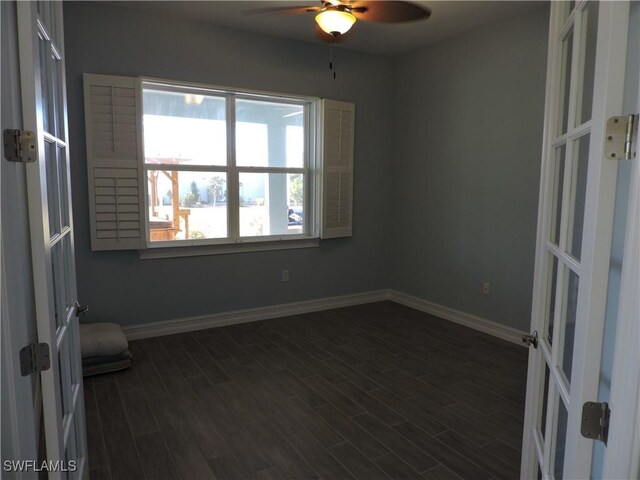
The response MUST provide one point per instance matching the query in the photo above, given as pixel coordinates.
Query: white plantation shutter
(113, 122)
(338, 123)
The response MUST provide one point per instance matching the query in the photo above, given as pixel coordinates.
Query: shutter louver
(337, 168)
(113, 122)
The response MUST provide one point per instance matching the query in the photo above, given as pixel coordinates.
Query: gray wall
(118, 285)
(469, 125)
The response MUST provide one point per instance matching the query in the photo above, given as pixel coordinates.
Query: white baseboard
(188, 324)
(477, 323)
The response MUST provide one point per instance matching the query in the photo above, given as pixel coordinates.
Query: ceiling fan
(336, 17)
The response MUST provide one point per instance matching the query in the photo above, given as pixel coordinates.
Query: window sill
(225, 248)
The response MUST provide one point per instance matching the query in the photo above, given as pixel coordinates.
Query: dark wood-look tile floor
(372, 391)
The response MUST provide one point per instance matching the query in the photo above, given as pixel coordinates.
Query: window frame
(310, 171)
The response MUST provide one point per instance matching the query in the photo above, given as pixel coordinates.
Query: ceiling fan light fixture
(335, 22)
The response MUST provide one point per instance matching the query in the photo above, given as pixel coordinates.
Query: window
(182, 165)
(224, 167)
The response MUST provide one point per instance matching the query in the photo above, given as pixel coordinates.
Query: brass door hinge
(34, 358)
(19, 145)
(620, 135)
(595, 421)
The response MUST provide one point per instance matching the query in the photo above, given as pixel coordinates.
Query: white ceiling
(448, 19)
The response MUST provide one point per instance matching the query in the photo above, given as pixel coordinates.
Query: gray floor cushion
(102, 339)
(111, 363)
(104, 348)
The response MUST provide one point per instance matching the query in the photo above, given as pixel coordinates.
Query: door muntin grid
(568, 157)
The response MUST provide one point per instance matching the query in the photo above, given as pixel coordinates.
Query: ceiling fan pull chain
(331, 69)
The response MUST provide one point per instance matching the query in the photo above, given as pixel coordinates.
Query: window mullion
(233, 186)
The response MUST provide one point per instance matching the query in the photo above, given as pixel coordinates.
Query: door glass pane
(53, 206)
(46, 13)
(45, 92)
(56, 88)
(53, 20)
(561, 438)
(590, 23)
(545, 400)
(271, 204)
(552, 299)
(269, 134)
(74, 357)
(65, 376)
(564, 9)
(59, 285)
(68, 273)
(578, 194)
(565, 81)
(558, 179)
(71, 452)
(184, 128)
(187, 205)
(63, 186)
(571, 305)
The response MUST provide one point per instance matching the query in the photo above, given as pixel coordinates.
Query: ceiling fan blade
(389, 11)
(282, 10)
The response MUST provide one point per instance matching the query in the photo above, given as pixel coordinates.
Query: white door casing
(19, 394)
(571, 273)
(40, 30)
(622, 455)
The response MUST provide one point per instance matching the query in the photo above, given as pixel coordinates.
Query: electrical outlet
(485, 288)
(285, 275)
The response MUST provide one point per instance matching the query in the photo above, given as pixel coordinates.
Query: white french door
(41, 49)
(585, 80)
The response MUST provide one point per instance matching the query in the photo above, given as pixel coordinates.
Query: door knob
(81, 309)
(531, 339)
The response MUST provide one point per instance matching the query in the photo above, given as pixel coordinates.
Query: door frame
(622, 455)
(596, 244)
(21, 399)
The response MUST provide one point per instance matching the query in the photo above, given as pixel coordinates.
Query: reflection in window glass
(545, 400)
(71, 447)
(68, 271)
(56, 87)
(561, 438)
(53, 194)
(567, 54)
(557, 192)
(64, 186)
(579, 192)
(58, 284)
(571, 305)
(590, 20)
(552, 300)
(45, 93)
